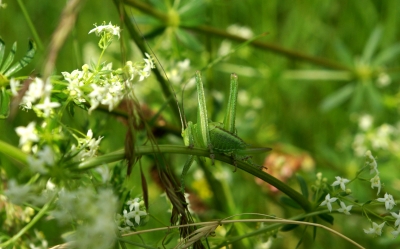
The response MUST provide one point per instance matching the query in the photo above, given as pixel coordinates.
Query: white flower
(376, 182)
(242, 31)
(36, 165)
(149, 63)
(395, 233)
(34, 92)
(375, 229)
(27, 134)
(18, 194)
(383, 79)
(14, 85)
(370, 160)
(143, 74)
(340, 181)
(137, 213)
(388, 200)
(127, 216)
(46, 155)
(397, 216)
(47, 106)
(110, 29)
(184, 65)
(365, 122)
(132, 203)
(328, 200)
(345, 209)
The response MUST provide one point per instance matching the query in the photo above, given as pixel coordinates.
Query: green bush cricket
(217, 137)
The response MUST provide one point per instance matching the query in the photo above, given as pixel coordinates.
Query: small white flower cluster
(383, 137)
(27, 136)
(37, 90)
(42, 158)
(375, 183)
(87, 147)
(176, 74)
(242, 31)
(109, 29)
(106, 86)
(328, 200)
(93, 216)
(132, 217)
(234, 29)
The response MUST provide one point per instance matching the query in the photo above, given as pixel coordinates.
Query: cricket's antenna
(182, 117)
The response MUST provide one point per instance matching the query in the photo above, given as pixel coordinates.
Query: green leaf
(343, 53)
(188, 40)
(4, 104)
(337, 98)
(2, 50)
(314, 219)
(358, 97)
(9, 59)
(386, 55)
(289, 202)
(192, 14)
(373, 96)
(303, 185)
(24, 61)
(372, 44)
(288, 227)
(327, 217)
(154, 33)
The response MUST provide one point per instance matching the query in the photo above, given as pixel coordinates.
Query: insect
(215, 136)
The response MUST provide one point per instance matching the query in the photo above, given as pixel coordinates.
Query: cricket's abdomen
(224, 141)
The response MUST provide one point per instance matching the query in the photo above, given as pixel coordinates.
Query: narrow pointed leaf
(373, 97)
(4, 104)
(386, 55)
(343, 53)
(303, 185)
(289, 202)
(145, 188)
(337, 97)
(372, 44)
(188, 40)
(358, 97)
(24, 61)
(9, 59)
(2, 50)
(327, 217)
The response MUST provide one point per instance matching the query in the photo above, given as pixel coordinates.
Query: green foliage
(320, 89)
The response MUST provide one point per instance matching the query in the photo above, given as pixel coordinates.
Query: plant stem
(31, 26)
(208, 30)
(13, 152)
(175, 149)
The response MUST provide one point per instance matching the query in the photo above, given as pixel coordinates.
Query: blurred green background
(321, 89)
